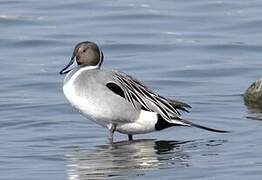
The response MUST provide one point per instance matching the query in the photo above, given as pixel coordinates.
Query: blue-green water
(204, 52)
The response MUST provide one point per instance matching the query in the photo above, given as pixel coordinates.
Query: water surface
(205, 53)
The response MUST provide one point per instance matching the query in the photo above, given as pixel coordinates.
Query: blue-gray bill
(64, 70)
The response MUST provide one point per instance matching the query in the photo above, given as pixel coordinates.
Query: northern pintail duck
(116, 100)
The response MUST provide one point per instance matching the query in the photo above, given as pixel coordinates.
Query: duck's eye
(85, 50)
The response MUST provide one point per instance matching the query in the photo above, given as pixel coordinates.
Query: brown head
(85, 54)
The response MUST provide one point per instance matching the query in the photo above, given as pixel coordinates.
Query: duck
(116, 100)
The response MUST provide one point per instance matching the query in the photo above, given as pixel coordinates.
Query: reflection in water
(119, 158)
(254, 110)
(255, 114)
(128, 159)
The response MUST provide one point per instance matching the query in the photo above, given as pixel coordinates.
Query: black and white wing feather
(136, 93)
(143, 98)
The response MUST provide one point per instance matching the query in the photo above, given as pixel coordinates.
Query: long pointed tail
(189, 123)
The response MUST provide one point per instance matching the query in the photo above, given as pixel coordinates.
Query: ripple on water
(131, 159)
(202, 52)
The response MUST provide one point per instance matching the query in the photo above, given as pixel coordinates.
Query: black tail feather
(163, 124)
(189, 123)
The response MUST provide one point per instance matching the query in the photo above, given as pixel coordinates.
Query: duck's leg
(112, 128)
(130, 137)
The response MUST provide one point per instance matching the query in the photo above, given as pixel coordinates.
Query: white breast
(83, 104)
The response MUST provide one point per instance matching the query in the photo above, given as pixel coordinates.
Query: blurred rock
(253, 95)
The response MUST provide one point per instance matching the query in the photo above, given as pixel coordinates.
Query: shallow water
(205, 53)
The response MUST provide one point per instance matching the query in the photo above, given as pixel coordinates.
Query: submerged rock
(253, 95)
